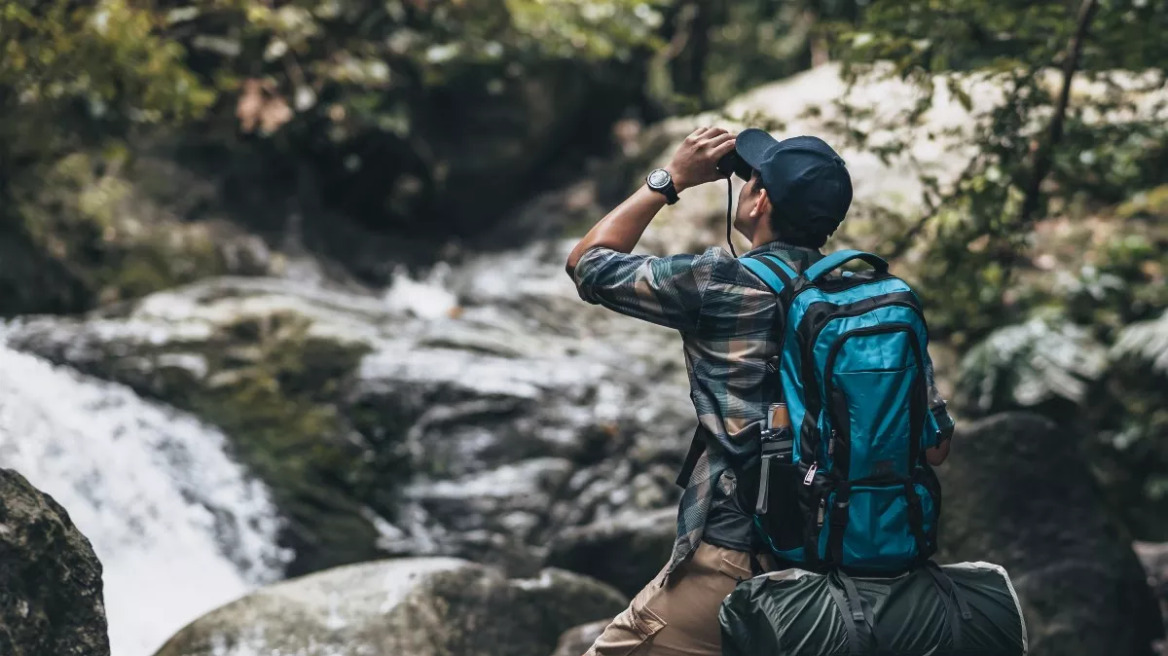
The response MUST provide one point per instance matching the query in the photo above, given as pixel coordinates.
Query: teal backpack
(848, 486)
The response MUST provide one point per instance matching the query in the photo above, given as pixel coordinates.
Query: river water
(180, 529)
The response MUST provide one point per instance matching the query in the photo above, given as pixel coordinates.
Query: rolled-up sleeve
(937, 406)
(664, 290)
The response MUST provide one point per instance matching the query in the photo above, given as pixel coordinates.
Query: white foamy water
(178, 526)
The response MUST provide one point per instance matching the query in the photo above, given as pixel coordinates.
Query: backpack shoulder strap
(838, 259)
(777, 274)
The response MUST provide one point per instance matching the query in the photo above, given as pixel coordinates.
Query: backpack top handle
(839, 258)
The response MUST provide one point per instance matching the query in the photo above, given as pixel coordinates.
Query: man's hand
(696, 160)
(694, 163)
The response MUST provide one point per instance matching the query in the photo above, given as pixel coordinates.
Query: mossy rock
(271, 382)
(83, 234)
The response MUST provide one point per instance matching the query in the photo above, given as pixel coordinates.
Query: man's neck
(763, 236)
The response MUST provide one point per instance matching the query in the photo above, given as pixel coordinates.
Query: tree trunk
(1044, 157)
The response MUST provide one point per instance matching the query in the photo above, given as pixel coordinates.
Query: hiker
(730, 320)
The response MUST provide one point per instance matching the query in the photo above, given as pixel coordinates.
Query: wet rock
(387, 409)
(267, 366)
(578, 639)
(50, 579)
(625, 551)
(1017, 493)
(421, 607)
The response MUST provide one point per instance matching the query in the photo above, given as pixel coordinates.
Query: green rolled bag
(967, 609)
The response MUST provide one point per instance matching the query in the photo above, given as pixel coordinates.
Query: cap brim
(753, 146)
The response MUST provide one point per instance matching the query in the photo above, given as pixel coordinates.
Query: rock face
(420, 607)
(1016, 493)
(50, 579)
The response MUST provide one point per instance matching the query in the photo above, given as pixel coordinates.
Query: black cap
(804, 178)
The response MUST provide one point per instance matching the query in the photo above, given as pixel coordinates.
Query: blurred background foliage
(382, 132)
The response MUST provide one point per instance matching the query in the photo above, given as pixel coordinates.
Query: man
(797, 196)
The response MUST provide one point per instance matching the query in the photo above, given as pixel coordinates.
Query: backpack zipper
(811, 473)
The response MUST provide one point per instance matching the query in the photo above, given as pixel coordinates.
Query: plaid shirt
(726, 317)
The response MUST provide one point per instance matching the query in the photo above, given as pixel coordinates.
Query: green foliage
(94, 239)
(1132, 455)
(1045, 362)
(360, 65)
(571, 28)
(1054, 228)
(979, 229)
(64, 65)
(75, 78)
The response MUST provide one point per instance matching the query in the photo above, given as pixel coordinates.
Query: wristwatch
(661, 182)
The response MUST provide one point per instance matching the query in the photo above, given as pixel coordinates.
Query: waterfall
(180, 529)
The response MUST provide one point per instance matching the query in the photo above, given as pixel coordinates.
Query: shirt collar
(777, 246)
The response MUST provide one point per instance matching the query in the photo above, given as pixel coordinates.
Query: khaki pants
(680, 618)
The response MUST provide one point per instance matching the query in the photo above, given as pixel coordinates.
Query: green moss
(1151, 203)
(84, 223)
(274, 389)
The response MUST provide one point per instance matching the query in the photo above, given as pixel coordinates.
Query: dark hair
(810, 234)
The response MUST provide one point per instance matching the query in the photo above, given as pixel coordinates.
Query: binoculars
(732, 164)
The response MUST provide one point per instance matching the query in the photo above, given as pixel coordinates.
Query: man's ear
(761, 204)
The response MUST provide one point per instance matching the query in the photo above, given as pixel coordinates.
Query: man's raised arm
(693, 164)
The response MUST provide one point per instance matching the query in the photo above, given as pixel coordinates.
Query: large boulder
(50, 579)
(420, 607)
(892, 153)
(626, 550)
(1018, 494)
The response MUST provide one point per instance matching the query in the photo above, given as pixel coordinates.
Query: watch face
(659, 178)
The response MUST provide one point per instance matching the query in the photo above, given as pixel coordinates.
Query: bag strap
(840, 258)
(855, 615)
(854, 648)
(860, 612)
(958, 612)
(777, 274)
